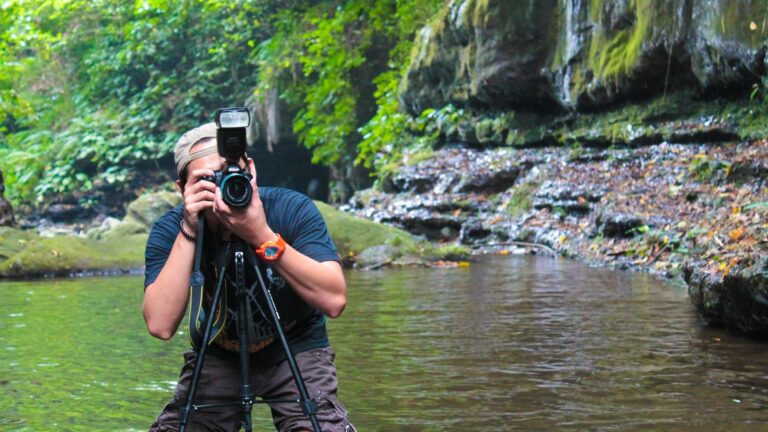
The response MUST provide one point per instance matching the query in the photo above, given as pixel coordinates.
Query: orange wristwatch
(271, 250)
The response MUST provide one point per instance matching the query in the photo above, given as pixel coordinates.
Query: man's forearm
(321, 285)
(165, 300)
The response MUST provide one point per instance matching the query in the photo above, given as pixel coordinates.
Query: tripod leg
(200, 357)
(246, 393)
(308, 405)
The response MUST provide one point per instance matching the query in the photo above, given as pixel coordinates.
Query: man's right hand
(199, 195)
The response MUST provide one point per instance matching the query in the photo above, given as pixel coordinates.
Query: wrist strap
(186, 235)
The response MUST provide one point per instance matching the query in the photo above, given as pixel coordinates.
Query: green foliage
(316, 57)
(92, 93)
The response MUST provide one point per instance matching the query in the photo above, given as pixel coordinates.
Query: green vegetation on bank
(93, 94)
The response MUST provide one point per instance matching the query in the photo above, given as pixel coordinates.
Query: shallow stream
(510, 343)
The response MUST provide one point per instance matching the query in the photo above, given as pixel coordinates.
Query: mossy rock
(352, 234)
(125, 228)
(14, 240)
(62, 256)
(148, 208)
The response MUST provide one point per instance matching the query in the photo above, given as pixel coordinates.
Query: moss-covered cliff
(583, 55)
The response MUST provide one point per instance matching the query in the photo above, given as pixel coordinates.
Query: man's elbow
(335, 307)
(160, 332)
(158, 329)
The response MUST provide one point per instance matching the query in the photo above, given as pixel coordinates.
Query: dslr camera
(234, 182)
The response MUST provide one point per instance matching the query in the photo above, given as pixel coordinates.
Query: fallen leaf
(736, 234)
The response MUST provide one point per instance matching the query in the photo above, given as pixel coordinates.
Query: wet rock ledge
(691, 211)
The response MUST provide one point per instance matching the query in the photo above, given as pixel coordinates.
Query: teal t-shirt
(296, 218)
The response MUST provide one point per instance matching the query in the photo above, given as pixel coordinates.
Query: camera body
(235, 185)
(234, 182)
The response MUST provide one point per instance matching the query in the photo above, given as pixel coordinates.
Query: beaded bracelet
(186, 235)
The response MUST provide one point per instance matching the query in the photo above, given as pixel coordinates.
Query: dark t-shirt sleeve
(308, 232)
(159, 244)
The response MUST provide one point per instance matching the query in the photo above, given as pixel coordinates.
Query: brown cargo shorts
(220, 382)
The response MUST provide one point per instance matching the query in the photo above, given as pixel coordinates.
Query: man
(307, 269)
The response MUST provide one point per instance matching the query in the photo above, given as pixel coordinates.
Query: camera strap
(197, 311)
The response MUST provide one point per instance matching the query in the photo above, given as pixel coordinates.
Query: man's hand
(249, 223)
(198, 196)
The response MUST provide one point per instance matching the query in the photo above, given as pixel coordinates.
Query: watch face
(271, 251)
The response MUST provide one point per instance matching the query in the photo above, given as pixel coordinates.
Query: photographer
(305, 268)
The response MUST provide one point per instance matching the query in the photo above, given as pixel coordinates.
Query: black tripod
(238, 252)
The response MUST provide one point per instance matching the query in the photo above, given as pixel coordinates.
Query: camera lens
(236, 190)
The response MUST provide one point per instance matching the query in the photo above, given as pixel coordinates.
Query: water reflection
(540, 344)
(519, 343)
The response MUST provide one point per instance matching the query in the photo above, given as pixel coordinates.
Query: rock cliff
(556, 55)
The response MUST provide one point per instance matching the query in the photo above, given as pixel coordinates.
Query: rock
(473, 231)
(406, 181)
(489, 182)
(739, 300)
(148, 208)
(488, 53)
(352, 235)
(377, 256)
(549, 56)
(433, 225)
(124, 229)
(458, 170)
(107, 225)
(618, 225)
(66, 256)
(570, 198)
(67, 213)
(748, 170)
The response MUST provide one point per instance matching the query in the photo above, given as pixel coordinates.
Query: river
(510, 343)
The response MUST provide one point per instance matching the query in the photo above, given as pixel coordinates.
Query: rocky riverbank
(693, 211)
(105, 246)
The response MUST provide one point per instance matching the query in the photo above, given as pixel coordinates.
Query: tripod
(238, 252)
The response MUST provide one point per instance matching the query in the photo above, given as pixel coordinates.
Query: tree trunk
(6, 211)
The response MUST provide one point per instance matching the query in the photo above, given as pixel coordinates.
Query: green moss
(13, 240)
(419, 156)
(353, 235)
(64, 255)
(521, 199)
(614, 55)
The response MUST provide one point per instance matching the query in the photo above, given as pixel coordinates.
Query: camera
(234, 182)
(235, 185)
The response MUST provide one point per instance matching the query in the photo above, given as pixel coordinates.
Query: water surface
(513, 343)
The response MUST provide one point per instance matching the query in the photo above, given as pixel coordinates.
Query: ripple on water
(513, 343)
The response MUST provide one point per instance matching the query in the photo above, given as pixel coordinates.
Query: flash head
(228, 118)
(230, 132)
